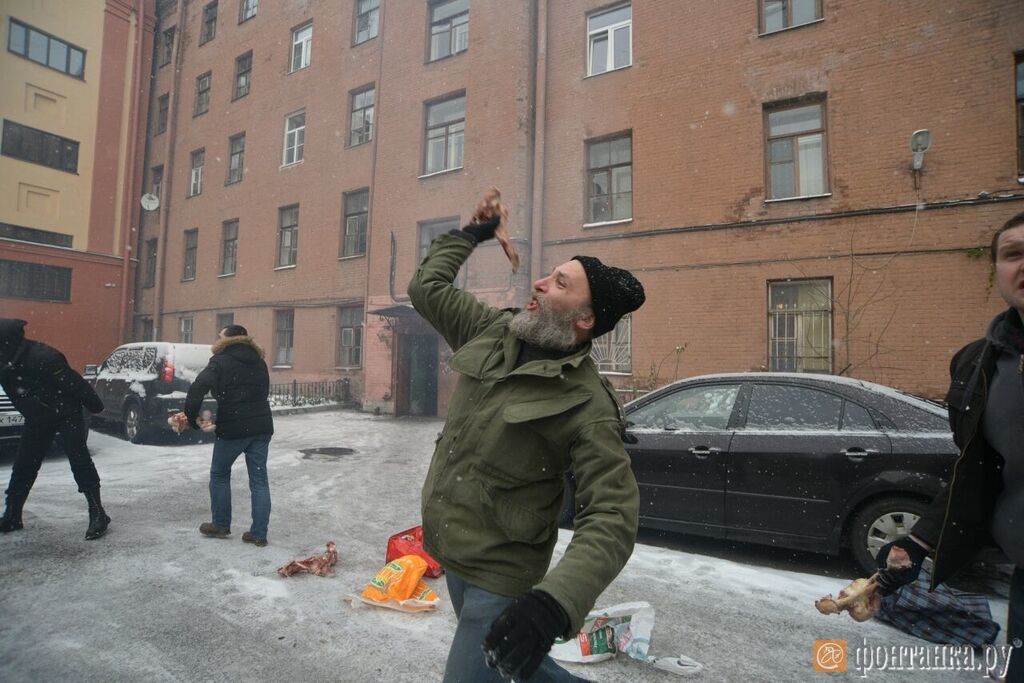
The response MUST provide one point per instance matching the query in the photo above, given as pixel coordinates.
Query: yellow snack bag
(397, 580)
(424, 592)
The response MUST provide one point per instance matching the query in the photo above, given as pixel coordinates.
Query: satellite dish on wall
(149, 202)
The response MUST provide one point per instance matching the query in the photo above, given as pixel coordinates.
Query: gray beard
(545, 329)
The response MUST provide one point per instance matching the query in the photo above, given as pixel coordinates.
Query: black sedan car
(142, 384)
(810, 462)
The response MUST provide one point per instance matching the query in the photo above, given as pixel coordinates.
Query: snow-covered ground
(155, 601)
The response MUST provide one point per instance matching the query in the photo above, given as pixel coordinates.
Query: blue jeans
(225, 452)
(475, 609)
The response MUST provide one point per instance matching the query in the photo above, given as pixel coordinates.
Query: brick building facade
(750, 162)
(74, 86)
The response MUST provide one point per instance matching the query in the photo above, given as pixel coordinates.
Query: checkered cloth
(942, 616)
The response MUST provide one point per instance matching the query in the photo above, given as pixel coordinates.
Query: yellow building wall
(32, 195)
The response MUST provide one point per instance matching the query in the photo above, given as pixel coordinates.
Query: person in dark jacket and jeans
(44, 388)
(528, 406)
(238, 378)
(984, 501)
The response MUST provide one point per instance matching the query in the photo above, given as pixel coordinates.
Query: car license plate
(11, 420)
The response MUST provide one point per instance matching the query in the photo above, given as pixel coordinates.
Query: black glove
(484, 231)
(521, 636)
(891, 580)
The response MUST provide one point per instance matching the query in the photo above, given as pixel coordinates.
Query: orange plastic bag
(400, 586)
(397, 580)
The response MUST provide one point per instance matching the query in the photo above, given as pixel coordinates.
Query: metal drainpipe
(540, 68)
(168, 180)
(373, 157)
(128, 210)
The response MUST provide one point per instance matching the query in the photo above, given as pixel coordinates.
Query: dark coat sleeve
(71, 383)
(929, 527)
(203, 384)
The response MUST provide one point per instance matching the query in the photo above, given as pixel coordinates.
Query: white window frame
(356, 224)
(794, 139)
(189, 270)
(448, 137)
(612, 352)
(185, 329)
(351, 332)
(306, 54)
(247, 9)
(232, 156)
(292, 144)
(366, 113)
(196, 178)
(609, 32)
(371, 18)
(282, 333)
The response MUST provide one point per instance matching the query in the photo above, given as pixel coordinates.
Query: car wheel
(133, 429)
(880, 522)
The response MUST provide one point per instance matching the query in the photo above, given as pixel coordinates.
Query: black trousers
(36, 440)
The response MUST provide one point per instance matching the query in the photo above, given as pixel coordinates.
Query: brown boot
(213, 531)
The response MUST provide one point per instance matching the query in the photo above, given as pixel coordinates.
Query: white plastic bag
(625, 628)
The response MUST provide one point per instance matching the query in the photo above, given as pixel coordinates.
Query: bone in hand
(861, 598)
(491, 207)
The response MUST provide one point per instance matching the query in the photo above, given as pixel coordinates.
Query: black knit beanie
(614, 292)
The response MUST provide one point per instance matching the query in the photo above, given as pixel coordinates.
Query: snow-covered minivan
(141, 384)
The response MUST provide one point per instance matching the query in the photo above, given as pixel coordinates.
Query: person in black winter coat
(238, 378)
(44, 388)
(984, 501)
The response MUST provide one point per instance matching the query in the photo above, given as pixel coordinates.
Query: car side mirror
(91, 371)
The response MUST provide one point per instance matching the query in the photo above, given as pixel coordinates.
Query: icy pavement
(155, 601)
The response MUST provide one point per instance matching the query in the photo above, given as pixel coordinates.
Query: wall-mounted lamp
(920, 141)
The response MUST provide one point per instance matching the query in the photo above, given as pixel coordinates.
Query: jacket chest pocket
(962, 400)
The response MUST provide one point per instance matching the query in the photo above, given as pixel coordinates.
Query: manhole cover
(325, 452)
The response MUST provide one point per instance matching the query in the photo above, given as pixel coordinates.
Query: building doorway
(417, 375)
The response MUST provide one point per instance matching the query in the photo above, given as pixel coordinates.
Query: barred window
(22, 280)
(613, 351)
(800, 326)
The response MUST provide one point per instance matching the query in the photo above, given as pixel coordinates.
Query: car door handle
(703, 451)
(857, 454)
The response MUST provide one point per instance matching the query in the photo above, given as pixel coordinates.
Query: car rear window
(135, 362)
(189, 360)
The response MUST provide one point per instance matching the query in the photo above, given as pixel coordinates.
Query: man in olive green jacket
(529, 406)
